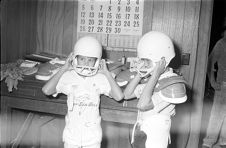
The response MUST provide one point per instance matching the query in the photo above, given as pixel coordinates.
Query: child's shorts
(154, 132)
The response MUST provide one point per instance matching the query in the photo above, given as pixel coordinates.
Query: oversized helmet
(154, 45)
(90, 47)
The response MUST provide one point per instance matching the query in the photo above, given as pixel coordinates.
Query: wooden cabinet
(28, 116)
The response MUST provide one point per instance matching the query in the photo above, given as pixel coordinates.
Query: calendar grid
(115, 23)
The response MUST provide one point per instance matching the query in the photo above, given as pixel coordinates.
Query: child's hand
(160, 67)
(68, 62)
(103, 67)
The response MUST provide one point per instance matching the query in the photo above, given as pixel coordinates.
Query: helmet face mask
(87, 56)
(85, 66)
(144, 67)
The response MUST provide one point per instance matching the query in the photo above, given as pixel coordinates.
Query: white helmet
(154, 46)
(90, 47)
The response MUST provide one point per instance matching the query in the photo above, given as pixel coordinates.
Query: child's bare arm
(50, 87)
(129, 90)
(116, 91)
(145, 101)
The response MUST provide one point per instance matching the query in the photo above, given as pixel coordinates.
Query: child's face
(86, 61)
(145, 67)
(146, 63)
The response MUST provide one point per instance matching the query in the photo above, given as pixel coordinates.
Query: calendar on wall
(112, 19)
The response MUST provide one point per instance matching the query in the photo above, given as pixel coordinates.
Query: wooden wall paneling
(200, 71)
(3, 30)
(22, 27)
(26, 27)
(179, 22)
(32, 26)
(13, 30)
(169, 19)
(190, 36)
(54, 26)
(17, 21)
(157, 21)
(75, 22)
(176, 32)
(41, 37)
(57, 26)
(68, 27)
(147, 16)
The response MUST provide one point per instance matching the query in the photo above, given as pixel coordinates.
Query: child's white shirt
(83, 99)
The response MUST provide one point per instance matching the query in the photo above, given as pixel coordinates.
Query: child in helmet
(83, 80)
(159, 95)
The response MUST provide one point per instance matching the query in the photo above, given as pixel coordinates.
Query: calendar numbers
(117, 30)
(108, 30)
(83, 14)
(109, 23)
(82, 28)
(117, 23)
(100, 15)
(91, 14)
(100, 29)
(100, 22)
(136, 24)
(126, 23)
(121, 17)
(118, 16)
(83, 21)
(127, 16)
(90, 28)
(91, 22)
(109, 15)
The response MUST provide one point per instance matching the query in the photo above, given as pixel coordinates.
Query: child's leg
(157, 129)
(139, 138)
